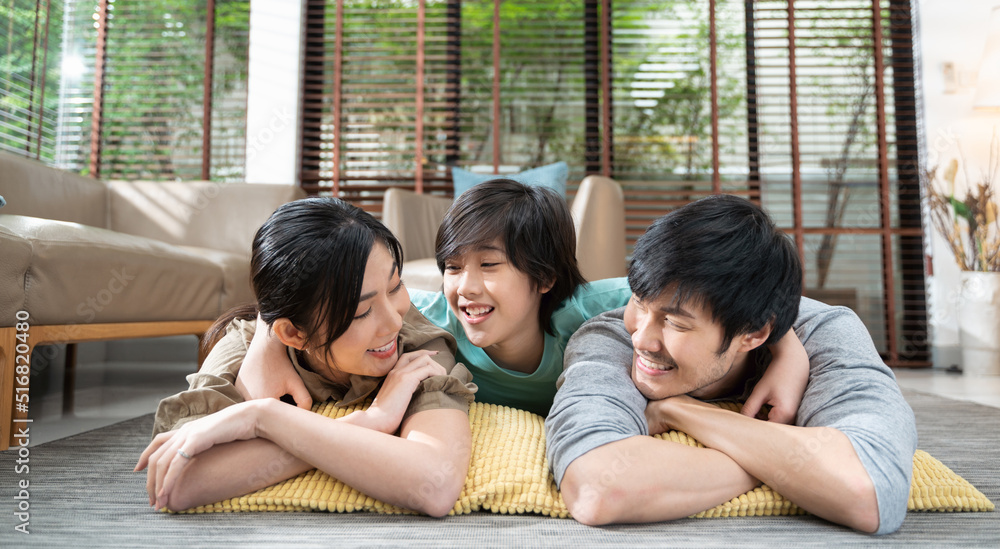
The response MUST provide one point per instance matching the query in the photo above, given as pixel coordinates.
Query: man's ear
(288, 334)
(752, 340)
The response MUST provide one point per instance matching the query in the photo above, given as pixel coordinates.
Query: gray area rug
(83, 493)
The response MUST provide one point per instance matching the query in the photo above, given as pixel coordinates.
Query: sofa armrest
(599, 214)
(35, 190)
(204, 214)
(414, 219)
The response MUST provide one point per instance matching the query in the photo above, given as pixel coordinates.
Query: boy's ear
(544, 288)
(752, 340)
(288, 334)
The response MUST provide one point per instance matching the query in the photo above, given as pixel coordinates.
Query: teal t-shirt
(533, 392)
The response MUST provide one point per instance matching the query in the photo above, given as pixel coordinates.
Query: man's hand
(660, 414)
(267, 371)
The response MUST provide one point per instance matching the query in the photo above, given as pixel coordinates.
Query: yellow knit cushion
(510, 474)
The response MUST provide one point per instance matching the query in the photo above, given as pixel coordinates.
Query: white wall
(952, 31)
(274, 91)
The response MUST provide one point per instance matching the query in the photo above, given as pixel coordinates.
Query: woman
(327, 282)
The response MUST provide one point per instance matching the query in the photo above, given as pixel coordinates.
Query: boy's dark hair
(307, 264)
(726, 253)
(534, 226)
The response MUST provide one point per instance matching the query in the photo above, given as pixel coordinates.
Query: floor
(981, 389)
(120, 385)
(111, 386)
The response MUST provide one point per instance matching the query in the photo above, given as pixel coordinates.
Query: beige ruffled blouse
(213, 387)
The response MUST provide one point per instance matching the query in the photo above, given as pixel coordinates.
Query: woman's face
(369, 346)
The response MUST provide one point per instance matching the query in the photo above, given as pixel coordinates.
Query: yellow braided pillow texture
(509, 473)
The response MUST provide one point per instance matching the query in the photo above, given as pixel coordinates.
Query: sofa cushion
(16, 254)
(76, 274)
(423, 274)
(236, 289)
(552, 176)
(205, 214)
(414, 218)
(34, 189)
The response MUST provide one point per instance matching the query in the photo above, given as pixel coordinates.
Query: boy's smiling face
(496, 303)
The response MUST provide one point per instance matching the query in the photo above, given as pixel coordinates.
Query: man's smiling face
(675, 349)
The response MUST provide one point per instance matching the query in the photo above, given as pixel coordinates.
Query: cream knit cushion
(510, 474)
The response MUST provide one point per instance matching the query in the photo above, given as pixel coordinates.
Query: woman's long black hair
(308, 265)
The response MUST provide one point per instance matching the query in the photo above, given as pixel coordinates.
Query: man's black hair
(725, 253)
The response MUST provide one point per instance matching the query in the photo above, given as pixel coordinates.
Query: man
(713, 282)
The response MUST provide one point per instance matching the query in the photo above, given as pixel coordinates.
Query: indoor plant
(971, 228)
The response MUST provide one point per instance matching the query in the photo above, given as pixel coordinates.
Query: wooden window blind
(151, 116)
(540, 86)
(678, 132)
(835, 108)
(159, 76)
(380, 97)
(228, 91)
(807, 107)
(142, 90)
(29, 76)
(76, 93)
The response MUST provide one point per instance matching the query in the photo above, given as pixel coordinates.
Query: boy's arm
(267, 372)
(211, 388)
(784, 381)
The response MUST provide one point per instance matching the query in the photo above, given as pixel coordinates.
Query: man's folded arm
(814, 467)
(643, 479)
(853, 391)
(849, 459)
(607, 469)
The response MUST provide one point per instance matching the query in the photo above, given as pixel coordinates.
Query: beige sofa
(598, 213)
(89, 260)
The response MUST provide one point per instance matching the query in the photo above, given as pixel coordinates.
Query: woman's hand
(386, 411)
(267, 372)
(170, 453)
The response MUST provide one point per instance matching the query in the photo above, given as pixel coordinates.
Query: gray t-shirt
(850, 389)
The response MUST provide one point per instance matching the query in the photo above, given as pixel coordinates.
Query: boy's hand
(783, 384)
(267, 371)
(386, 411)
(767, 394)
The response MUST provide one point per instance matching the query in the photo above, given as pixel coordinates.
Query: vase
(979, 323)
